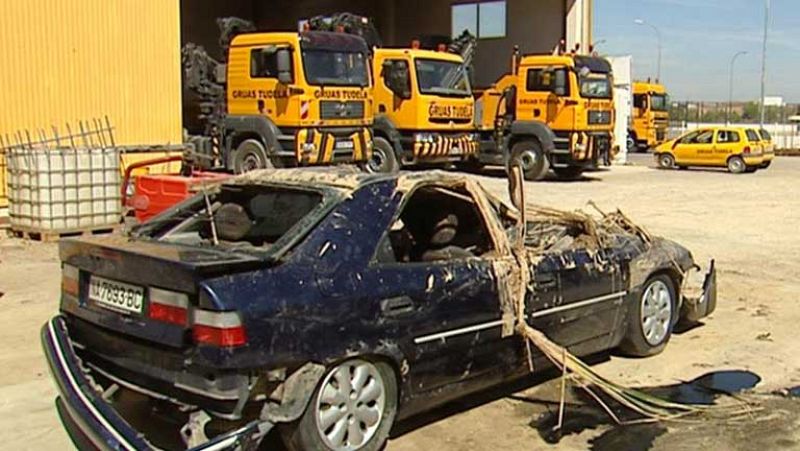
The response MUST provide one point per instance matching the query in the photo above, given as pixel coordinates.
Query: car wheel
(651, 318)
(666, 161)
(736, 165)
(751, 169)
(250, 155)
(569, 173)
(528, 154)
(765, 165)
(353, 408)
(383, 158)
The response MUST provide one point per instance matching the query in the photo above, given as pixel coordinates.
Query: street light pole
(658, 35)
(730, 88)
(764, 62)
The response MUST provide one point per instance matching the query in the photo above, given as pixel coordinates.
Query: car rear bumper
(90, 420)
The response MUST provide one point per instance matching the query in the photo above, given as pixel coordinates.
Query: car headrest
(444, 230)
(232, 222)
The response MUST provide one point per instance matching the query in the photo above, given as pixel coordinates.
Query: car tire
(736, 165)
(383, 160)
(751, 169)
(249, 155)
(568, 173)
(765, 165)
(666, 161)
(378, 387)
(651, 318)
(528, 154)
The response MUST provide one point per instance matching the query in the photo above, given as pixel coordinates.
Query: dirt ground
(748, 223)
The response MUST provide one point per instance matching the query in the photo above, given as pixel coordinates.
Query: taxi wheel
(736, 165)
(666, 161)
(383, 158)
(765, 165)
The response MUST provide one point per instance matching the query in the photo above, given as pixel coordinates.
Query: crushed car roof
(341, 177)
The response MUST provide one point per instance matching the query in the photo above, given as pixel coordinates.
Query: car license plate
(344, 144)
(114, 295)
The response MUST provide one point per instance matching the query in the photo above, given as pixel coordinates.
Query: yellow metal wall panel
(64, 61)
(3, 178)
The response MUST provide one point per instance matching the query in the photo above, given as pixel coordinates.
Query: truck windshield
(334, 68)
(595, 86)
(658, 102)
(442, 78)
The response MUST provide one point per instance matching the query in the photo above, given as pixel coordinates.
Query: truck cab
(551, 111)
(424, 108)
(649, 119)
(293, 99)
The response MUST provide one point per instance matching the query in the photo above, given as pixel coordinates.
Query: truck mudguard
(259, 125)
(382, 125)
(538, 129)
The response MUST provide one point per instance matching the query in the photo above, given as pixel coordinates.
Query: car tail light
(746, 149)
(69, 280)
(218, 328)
(168, 306)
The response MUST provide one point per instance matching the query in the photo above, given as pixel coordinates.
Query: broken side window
(436, 223)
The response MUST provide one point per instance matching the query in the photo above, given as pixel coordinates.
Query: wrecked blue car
(333, 304)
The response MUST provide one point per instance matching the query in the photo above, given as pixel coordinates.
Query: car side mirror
(395, 76)
(284, 63)
(560, 85)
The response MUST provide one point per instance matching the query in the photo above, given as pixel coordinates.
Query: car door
(694, 147)
(576, 297)
(726, 143)
(447, 310)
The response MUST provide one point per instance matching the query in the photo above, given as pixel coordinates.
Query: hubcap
(656, 312)
(350, 405)
(527, 159)
(377, 161)
(666, 162)
(251, 162)
(736, 165)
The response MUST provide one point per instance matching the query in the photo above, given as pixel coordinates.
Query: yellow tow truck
(550, 111)
(424, 105)
(282, 99)
(649, 118)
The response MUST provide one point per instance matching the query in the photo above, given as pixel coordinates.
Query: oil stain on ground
(588, 415)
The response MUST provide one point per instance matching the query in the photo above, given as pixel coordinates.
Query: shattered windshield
(239, 217)
(658, 102)
(334, 68)
(442, 78)
(595, 86)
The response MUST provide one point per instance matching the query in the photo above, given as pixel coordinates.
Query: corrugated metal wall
(63, 61)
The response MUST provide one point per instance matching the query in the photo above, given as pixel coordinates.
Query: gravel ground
(747, 222)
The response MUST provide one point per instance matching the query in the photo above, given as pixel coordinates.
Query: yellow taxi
(737, 148)
(768, 147)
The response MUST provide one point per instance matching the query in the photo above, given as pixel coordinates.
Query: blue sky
(699, 38)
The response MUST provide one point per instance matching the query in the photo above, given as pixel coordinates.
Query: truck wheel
(650, 318)
(250, 155)
(528, 154)
(352, 408)
(568, 173)
(666, 161)
(736, 165)
(383, 158)
(631, 143)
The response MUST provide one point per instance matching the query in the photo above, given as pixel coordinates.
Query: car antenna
(214, 237)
